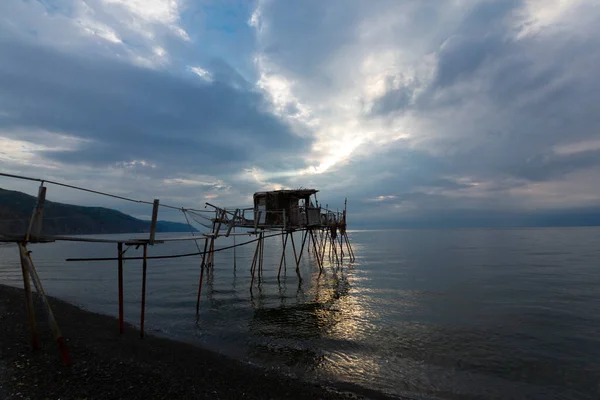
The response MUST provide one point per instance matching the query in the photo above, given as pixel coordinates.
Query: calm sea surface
(496, 314)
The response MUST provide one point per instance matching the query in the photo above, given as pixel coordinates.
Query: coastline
(107, 365)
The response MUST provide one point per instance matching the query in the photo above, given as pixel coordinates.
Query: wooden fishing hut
(277, 213)
(290, 209)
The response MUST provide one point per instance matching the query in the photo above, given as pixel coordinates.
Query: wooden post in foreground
(35, 223)
(26, 260)
(35, 342)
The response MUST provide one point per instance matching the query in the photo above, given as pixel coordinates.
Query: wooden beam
(232, 222)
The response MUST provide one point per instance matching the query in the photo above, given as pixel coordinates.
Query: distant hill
(68, 219)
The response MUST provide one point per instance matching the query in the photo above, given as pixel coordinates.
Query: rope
(176, 255)
(27, 178)
(200, 223)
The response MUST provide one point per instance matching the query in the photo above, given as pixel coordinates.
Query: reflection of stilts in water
(210, 279)
(282, 287)
(260, 297)
(234, 252)
(326, 308)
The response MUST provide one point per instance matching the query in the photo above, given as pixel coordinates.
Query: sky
(421, 113)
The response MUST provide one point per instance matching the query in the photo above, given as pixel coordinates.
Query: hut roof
(297, 192)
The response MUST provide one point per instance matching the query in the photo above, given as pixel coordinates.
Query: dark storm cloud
(130, 113)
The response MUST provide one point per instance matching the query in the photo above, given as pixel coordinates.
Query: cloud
(129, 112)
(461, 103)
(408, 108)
(76, 106)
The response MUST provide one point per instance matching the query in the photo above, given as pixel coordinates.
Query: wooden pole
(282, 255)
(232, 222)
(294, 247)
(28, 263)
(262, 252)
(254, 262)
(324, 245)
(120, 271)
(349, 247)
(209, 260)
(301, 250)
(143, 311)
(154, 219)
(316, 253)
(212, 252)
(334, 247)
(35, 223)
(201, 276)
(35, 342)
(285, 255)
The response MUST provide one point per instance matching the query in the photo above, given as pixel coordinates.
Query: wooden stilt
(143, 311)
(294, 247)
(35, 223)
(316, 252)
(319, 236)
(202, 265)
(301, 250)
(282, 255)
(120, 271)
(211, 253)
(254, 264)
(209, 260)
(324, 245)
(35, 342)
(261, 256)
(334, 248)
(349, 246)
(28, 263)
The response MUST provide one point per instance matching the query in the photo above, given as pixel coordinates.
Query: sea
(419, 314)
